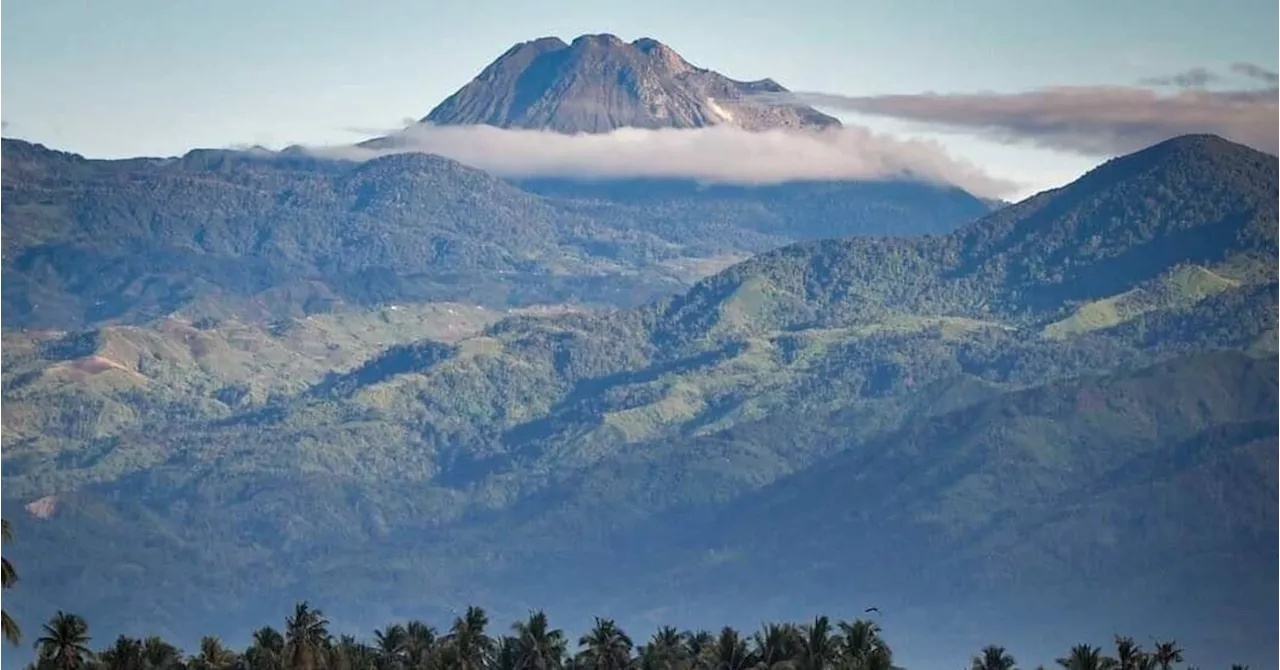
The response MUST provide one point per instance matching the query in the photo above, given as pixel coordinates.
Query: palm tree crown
(993, 658)
(605, 647)
(65, 642)
(306, 634)
(8, 578)
(537, 646)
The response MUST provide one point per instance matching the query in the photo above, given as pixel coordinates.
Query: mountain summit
(599, 83)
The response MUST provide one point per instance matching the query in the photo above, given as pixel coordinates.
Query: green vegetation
(222, 233)
(1070, 401)
(306, 642)
(1183, 285)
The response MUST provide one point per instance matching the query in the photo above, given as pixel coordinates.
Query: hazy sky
(159, 77)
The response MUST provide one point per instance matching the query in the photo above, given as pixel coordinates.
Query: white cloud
(1088, 120)
(720, 154)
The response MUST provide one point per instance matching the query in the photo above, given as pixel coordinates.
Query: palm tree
(469, 647)
(862, 647)
(605, 647)
(666, 650)
(537, 645)
(349, 654)
(1086, 657)
(305, 634)
(160, 655)
(65, 643)
(819, 648)
(775, 645)
(701, 647)
(393, 645)
(213, 656)
(126, 654)
(1166, 654)
(508, 654)
(8, 577)
(267, 650)
(420, 644)
(993, 658)
(1129, 655)
(730, 651)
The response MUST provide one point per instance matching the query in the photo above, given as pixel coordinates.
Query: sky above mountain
(144, 77)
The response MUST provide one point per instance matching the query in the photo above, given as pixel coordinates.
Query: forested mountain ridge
(562, 445)
(1193, 200)
(259, 235)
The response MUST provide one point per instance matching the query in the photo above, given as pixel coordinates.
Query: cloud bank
(1088, 120)
(719, 154)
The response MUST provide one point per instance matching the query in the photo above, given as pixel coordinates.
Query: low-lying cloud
(1196, 77)
(1255, 72)
(1088, 120)
(719, 154)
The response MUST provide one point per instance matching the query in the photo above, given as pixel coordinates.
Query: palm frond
(8, 576)
(9, 629)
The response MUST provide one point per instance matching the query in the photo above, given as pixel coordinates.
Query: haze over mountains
(243, 380)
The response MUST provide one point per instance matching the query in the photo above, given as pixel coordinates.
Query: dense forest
(306, 643)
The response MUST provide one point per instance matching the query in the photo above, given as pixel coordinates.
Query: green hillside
(262, 236)
(1099, 343)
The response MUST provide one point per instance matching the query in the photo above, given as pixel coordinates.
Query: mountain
(260, 236)
(995, 513)
(600, 83)
(1194, 432)
(1017, 411)
(254, 236)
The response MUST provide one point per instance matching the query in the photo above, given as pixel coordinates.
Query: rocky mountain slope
(600, 83)
(1108, 347)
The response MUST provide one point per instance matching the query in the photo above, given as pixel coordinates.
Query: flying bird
(872, 609)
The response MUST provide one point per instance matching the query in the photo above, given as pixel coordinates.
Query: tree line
(306, 643)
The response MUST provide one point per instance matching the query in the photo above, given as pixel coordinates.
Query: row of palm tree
(305, 643)
(1129, 656)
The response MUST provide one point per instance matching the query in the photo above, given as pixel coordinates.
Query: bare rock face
(44, 507)
(600, 83)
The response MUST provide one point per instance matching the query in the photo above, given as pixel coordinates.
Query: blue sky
(160, 77)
